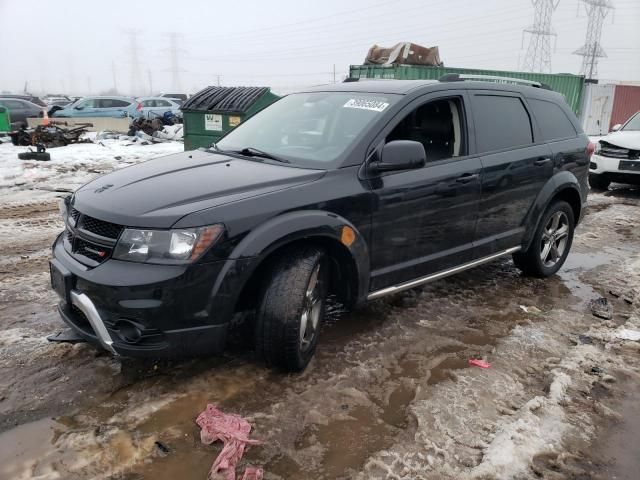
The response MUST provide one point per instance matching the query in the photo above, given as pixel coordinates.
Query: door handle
(541, 161)
(466, 178)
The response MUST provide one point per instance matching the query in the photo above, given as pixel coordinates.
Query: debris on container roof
(225, 99)
(404, 53)
(234, 431)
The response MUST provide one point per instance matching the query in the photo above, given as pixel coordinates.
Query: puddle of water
(578, 263)
(21, 446)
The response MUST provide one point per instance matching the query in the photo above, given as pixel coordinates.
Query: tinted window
(501, 122)
(113, 103)
(553, 122)
(162, 103)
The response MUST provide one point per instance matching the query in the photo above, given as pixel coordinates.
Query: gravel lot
(390, 393)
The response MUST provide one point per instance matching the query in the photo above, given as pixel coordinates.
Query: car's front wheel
(598, 182)
(292, 308)
(551, 242)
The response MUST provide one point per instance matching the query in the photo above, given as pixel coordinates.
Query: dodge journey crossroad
(354, 191)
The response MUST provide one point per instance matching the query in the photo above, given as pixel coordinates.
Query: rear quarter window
(501, 122)
(552, 121)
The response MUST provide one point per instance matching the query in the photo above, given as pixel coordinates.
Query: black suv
(357, 190)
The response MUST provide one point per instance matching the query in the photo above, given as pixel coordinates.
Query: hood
(157, 193)
(625, 139)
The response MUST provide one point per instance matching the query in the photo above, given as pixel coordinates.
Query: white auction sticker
(213, 122)
(364, 104)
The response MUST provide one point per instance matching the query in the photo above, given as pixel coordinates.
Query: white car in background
(617, 156)
(155, 107)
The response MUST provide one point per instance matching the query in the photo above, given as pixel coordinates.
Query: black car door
(424, 219)
(516, 163)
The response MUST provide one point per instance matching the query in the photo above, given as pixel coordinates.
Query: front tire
(598, 182)
(551, 242)
(292, 308)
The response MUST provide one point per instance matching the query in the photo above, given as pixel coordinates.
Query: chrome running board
(436, 276)
(85, 304)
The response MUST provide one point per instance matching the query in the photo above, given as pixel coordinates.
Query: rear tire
(550, 244)
(598, 182)
(292, 308)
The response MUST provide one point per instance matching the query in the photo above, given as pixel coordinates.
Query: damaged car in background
(357, 190)
(617, 156)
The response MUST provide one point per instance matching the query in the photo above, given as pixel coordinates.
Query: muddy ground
(390, 393)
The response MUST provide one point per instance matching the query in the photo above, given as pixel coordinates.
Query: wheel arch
(563, 186)
(349, 261)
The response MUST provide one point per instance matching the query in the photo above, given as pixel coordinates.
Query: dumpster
(569, 85)
(213, 112)
(5, 121)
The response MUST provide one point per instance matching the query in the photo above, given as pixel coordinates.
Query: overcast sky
(81, 46)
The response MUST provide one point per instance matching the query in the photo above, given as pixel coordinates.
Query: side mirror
(78, 107)
(400, 155)
(616, 127)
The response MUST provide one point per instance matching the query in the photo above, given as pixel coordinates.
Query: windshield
(633, 123)
(309, 129)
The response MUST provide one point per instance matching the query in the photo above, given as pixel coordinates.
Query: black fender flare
(560, 182)
(281, 230)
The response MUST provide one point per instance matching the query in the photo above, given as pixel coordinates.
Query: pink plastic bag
(234, 431)
(476, 362)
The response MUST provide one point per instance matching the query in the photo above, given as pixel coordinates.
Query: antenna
(538, 56)
(591, 51)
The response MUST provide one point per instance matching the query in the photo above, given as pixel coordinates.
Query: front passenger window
(438, 125)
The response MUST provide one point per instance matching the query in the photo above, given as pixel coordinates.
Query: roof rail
(460, 77)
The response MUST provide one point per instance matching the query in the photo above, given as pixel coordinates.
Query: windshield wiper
(254, 152)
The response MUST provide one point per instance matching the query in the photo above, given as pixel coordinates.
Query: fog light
(128, 331)
(593, 166)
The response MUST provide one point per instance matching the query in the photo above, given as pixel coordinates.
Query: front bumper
(610, 167)
(142, 310)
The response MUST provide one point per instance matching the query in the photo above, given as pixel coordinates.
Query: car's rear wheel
(598, 182)
(551, 242)
(292, 308)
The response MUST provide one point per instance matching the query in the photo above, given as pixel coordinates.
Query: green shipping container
(571, 86)
(213, 112)
(5, 121)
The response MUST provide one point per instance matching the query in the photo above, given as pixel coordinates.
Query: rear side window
(501, 122)
(553, 122)
(113, 103)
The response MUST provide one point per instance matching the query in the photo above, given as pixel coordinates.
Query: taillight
(139, 107)
(591, 147)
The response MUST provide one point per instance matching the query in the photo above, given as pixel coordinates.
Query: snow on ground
(70, 166)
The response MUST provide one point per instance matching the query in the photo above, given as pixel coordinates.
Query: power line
(591, 51)
(134, 60)
(174, 55)
(538, 56)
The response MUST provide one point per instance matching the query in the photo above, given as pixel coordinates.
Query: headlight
(598, 147)
(166, 246)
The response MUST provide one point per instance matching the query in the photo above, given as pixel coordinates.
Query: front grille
(84, 247)
(612, 151)
(73, 213)
(90, 250)
(100, 227)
